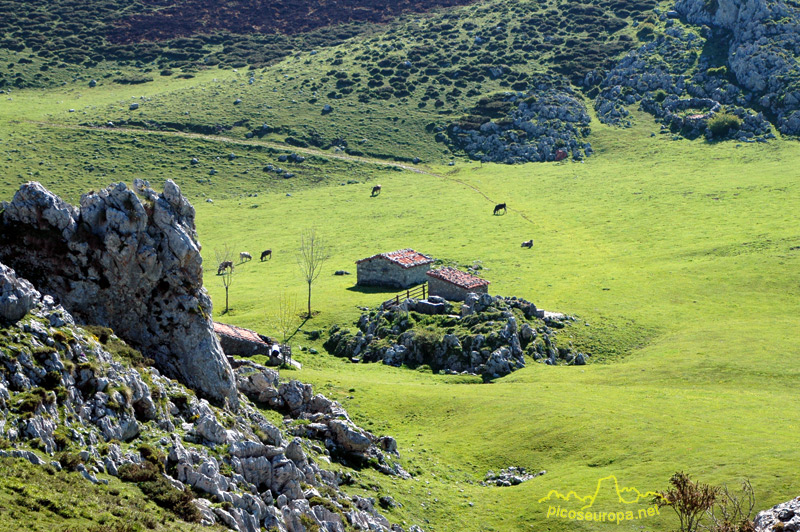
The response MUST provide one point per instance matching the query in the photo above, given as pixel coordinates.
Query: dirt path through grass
(278, 146)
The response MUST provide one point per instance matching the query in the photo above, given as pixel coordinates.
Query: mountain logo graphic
(625, 495)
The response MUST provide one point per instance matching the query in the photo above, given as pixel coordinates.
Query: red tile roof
(238, 332)
(405, 258)
(457, 277)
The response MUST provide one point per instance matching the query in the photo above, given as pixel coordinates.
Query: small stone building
(454, 285)
(236, 341)
(398, 269)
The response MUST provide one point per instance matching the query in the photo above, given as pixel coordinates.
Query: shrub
(144, 472)
(690, 500)
(309, 523)
(660, 95)
(152, 455)
(69, 461)
(161, 492)
(62, 441)
(723, 123)
(34, 399)
(733, 511)
(426, 339)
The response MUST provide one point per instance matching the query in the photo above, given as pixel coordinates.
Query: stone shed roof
(405, 258)
(238, 332)
(457, 277)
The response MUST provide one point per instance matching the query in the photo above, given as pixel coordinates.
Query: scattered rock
(510, 476)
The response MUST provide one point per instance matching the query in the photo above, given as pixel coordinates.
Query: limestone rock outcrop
(61, 390)
(490, 338)
(17, 296)
(784, 516)
(127, 259)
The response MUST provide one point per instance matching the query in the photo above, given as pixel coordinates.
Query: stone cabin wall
(451, 292)
(381, 272)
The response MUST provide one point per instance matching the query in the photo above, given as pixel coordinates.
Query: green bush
(161, 492)
(34, 399)
(152, 455)
(721, 124)
(69, 461)
(660, 95)
(144, 472)
(309, 523)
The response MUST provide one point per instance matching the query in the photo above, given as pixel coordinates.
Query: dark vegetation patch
(168, 20)
(39, 498)
(187, 35)
(158, 489)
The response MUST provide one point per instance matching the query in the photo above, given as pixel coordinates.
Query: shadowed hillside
(197, 17)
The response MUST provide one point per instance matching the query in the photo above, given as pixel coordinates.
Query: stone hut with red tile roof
(454, 285)
(397, 269)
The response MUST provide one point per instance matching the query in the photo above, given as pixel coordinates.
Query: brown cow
(375, 190)
(224, 266)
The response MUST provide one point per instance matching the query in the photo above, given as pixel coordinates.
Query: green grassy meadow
(679, 258)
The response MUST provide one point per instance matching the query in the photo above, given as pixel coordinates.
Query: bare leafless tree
(224, 257)
(313, 254)
(733, 512)
(285, 320)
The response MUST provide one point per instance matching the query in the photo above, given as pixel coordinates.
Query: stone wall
(451, 292)
(381, 272)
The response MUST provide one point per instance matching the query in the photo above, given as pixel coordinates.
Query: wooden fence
(417, 292)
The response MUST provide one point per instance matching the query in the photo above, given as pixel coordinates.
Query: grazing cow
(499, 207)
(265, 254)
(375, 190)
(527, 244)
(243, 256)
(224, 266)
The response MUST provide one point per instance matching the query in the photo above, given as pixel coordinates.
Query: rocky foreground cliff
(67, 401)
(79, 398)
(127, 261)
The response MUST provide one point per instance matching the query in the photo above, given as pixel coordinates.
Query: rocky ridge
(64, 396)
(763, 51)
(547, 123)
(490, 338)
(675, 77)
(127, 259)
